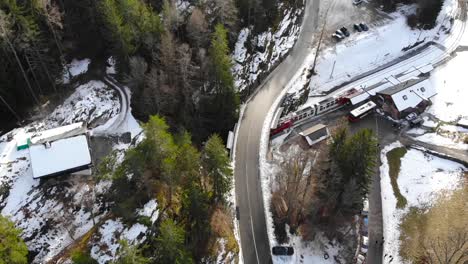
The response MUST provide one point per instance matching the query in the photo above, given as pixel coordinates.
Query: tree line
(190, 186)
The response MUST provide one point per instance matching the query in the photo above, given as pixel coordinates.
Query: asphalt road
(249, 198)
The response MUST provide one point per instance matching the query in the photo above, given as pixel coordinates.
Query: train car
(281, 127)
(326, 105)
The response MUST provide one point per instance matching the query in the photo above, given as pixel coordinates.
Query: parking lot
(343, 13)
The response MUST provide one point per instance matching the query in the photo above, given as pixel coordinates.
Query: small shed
(54, 158)
(315, 134)
(22, 140)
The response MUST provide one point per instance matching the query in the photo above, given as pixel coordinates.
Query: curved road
(249, 199)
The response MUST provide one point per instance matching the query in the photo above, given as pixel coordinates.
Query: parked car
(282, 251)
(364, 244)
(363, 26)
(357, 28)
(411, 116)
(365, 226)
(338, 32)
(337, 37)
(365, 207)
(416, 122)
(345, 31)
(361, 259)
(357, 2)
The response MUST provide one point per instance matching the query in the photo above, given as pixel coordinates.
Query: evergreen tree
(171, 249)
(220, 107)
(131, 24)
(13, 250)
(187, 160)
(130, 255)
(221, 60)
(217, 166)
(195, 209)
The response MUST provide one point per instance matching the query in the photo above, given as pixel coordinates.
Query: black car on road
(364, 26)
(345, 31)
(357, 28)
(282, 251)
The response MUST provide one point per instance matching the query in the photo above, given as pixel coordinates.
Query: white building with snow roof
(62, 156)
(409, 96)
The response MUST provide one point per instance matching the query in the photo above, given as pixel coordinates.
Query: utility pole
(320, 40)
(333, 69)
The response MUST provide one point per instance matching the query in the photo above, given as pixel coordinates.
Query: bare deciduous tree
(294, 184)
(197, 27)
(452, 249)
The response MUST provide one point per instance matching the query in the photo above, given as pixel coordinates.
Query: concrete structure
(315, 134)
(409, 96)
(58, 133)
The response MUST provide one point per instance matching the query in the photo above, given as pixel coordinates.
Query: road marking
(248, 198)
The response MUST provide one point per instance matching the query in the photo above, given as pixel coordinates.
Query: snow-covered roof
(64, 155)
(410, 93)
(58, 133)
(425, 68)
(21, 139)
(368, 91)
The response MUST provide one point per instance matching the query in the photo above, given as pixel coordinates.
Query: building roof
(366, 92)
(61, 156)
(402, 86)
(313, 129)
(315, 134)
(411, 93)
(58, 133)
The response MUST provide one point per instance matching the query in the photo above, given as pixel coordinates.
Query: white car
(365, 207)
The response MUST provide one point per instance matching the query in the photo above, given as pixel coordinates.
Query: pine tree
(221, 60)
(171, 244)
(130, 255)
(217, 166)
(13, 250)
(131, 24)
(220, 107)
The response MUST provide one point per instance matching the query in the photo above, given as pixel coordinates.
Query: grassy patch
(394, 162)
(222, 227)
(428, 234)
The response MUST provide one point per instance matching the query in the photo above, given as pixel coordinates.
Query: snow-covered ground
(449, 104)
(90, 102)
(366, 51)
(53, 213)
(310, 252)
(269, 48)
(421, 177)
(75, 68)
(105, 242)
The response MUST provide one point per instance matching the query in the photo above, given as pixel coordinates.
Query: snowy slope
(269, 48)
(52, 213)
